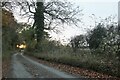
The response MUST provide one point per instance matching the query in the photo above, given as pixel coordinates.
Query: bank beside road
(78, 71)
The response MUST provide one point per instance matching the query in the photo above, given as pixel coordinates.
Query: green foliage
(55, 52)
(9, 38)
(6, 55)
(96, 37)
(9, 35)
(78, 42)
(27, 36)
(48, 46)
(9, 41)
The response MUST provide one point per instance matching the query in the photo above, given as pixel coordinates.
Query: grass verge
(88, 61)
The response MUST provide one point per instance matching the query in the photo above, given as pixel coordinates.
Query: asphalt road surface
(24, 67)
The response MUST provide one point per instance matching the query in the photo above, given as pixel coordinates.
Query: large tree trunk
(39, 21)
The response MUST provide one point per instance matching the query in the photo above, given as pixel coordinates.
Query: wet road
(24, 67)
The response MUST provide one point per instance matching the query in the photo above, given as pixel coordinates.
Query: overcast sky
(101, 8)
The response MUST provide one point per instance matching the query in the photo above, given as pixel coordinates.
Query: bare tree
(53, 13)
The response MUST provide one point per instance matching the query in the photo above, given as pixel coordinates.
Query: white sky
(101, 8)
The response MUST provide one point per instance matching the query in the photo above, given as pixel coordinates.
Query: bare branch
(29, 7)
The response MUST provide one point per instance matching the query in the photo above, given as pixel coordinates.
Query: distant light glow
(17, 46)
(21, 46)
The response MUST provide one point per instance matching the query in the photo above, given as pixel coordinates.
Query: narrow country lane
(24, 67)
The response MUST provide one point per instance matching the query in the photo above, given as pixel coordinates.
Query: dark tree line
(96, 36)
(101, 35)
(78, 42)
(9, 34)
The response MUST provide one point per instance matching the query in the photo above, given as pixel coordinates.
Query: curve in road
(24, 67)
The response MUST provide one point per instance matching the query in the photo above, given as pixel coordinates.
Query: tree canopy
(46, 15)
(9, 35)
(96, 36)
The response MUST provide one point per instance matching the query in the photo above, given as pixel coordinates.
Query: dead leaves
(5, 68)
(75, 70)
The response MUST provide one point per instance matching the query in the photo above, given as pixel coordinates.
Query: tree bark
(39, 21)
